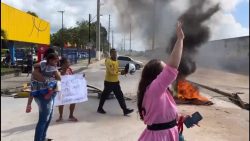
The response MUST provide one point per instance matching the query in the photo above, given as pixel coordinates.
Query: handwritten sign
(73, 90)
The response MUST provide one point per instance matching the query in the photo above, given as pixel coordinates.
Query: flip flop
(59, 119)
(73, 119)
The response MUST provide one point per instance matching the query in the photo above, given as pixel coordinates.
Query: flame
(186, 91)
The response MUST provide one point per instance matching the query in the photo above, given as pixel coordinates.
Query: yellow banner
(23, 27)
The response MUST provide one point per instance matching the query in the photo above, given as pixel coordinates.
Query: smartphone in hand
(194, 119)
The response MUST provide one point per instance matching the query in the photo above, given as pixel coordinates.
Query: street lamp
(98, 31)
(90, 20)
(62, 34)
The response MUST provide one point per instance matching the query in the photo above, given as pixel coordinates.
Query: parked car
(123, 60)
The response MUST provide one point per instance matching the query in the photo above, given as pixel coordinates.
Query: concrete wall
(231, 55)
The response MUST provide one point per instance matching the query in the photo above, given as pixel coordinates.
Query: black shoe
(47, 139)
(100, 110)
(127, 111)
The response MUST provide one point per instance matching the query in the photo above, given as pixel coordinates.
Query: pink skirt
(161, 135)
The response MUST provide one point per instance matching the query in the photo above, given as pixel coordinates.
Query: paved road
(223, 121)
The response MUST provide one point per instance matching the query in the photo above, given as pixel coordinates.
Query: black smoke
(145, 16)
(196, 33)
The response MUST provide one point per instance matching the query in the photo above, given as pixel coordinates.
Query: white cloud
(47, 10)
(76, 10)
(225, 26)
(229, 5)
(223, 23)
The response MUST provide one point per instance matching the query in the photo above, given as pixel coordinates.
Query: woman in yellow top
(111, 83)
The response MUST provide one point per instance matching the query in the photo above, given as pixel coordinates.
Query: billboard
(23, 27)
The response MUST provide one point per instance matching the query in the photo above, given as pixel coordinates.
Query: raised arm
(169, 73)
(175, 57)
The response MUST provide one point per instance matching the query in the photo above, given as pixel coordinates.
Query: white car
(123, 60)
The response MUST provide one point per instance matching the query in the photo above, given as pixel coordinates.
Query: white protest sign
(73, 90)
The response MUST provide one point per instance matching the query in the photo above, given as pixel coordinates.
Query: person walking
(112, 83)
(29, 63)
(7, 59)
(43, 77)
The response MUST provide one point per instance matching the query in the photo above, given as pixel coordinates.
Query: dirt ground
(223, 121)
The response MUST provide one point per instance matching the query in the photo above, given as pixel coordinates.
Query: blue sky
(241, 13)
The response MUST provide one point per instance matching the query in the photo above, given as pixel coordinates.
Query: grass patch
(8, 70)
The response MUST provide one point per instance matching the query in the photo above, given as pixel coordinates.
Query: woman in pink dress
(156, 105)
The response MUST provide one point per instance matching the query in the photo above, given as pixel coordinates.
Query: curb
(11, 74)
(17, 89)
(80, 69)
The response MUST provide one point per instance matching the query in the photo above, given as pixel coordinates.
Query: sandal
(73, 119)
(59, 119)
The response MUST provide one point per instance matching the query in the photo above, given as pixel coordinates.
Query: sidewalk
(14, 82)
(224, 81)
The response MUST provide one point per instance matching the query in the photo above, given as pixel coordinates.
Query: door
(123, 60)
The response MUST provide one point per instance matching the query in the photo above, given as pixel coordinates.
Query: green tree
(79, 35)
(55, 39)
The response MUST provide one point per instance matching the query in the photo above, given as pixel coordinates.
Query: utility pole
(121, 45)
(124, 48)
(109, 35)
(153, 36)
(62, 34)
(89, 26)
(103, 44)
(89, 38)
(113, 39)
(130, 40)
(98, 31)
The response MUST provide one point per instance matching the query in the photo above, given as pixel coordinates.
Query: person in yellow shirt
(111, 83)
